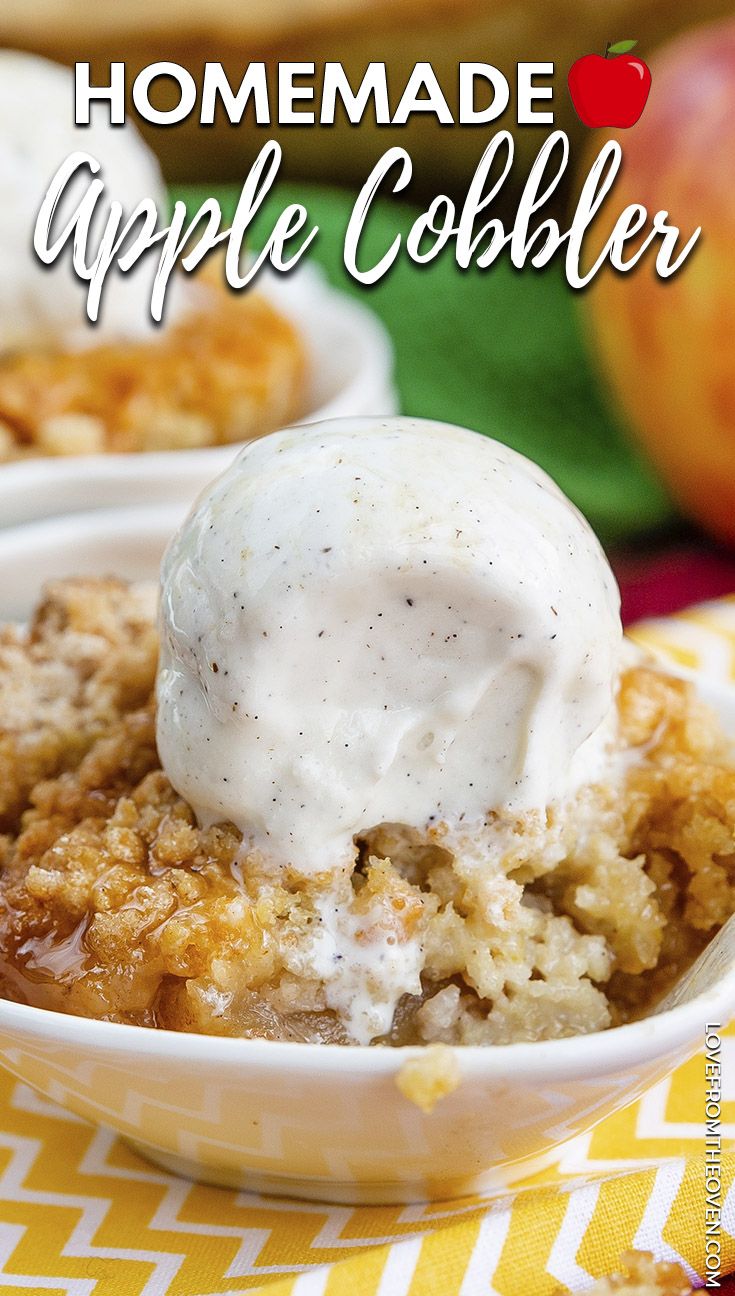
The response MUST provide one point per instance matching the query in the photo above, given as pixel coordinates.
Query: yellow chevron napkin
(82, 1215)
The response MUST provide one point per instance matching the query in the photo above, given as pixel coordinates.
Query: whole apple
(610, 91)
(667, 347)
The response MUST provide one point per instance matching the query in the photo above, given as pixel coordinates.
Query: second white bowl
(349, 371)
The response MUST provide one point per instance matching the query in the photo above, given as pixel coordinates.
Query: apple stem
(607, 51)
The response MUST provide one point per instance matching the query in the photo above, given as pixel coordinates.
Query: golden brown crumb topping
(641, 1275)
(116, 905)
(230, 370)
(88, 657)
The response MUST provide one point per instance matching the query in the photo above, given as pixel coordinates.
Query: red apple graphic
(610, 91)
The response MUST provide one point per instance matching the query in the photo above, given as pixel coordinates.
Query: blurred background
(397, 32)
(625, 393)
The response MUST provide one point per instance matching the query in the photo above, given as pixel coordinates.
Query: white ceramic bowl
(350, 371)
(318, 1121)
(125, 542)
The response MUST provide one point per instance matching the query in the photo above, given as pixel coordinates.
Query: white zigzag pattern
(10, 1237)
(336, 1220)
(400, 1267)
(649, 1236)
(312, 1279)
(329, 1237)
(311, 1284)
(166, 1216)
(486, 1253)
(252, 1240)
(93, 1210)
(25, 1099)
(652, 1122)
(578, 1162)
(562, 1262)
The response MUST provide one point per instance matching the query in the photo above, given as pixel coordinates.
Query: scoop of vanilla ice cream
(369, 621)
(45, 305)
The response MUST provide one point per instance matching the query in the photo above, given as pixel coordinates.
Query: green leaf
(622, 47)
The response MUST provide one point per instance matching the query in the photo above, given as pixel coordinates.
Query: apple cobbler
(230, 369)
(117, 905)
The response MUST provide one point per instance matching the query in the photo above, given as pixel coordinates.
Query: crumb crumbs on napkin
(430, 1076)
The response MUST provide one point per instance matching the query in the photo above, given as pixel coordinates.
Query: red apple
(667, 347)
(610, 91)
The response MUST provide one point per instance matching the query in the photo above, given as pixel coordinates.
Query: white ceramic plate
(350, 371)
(319, 1121)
